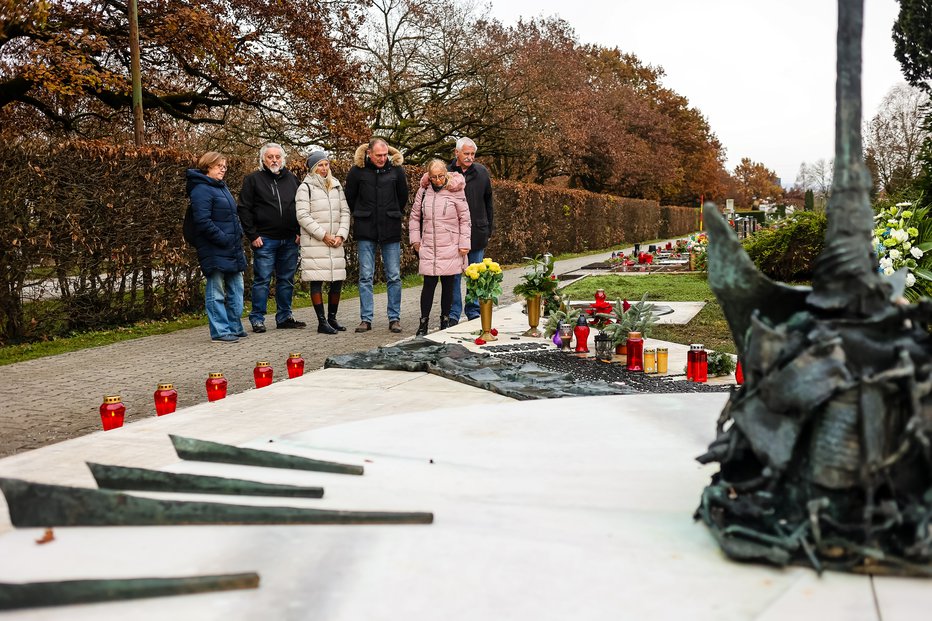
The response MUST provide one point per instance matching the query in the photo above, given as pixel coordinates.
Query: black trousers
(446, 294)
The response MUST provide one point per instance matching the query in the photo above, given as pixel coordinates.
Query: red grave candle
(635, 352)
(581, 332)
(262, 374)
(166, 399)
(112, 412)
(216, 386)
(701, 369)
(295, 365)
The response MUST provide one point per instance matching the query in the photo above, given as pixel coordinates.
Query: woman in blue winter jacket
(219, 243)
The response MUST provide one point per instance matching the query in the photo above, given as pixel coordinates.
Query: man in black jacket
(479, 198)
(377, 192)
(267, 211)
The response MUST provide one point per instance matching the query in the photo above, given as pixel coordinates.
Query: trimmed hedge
(94, 233)
(787, 251)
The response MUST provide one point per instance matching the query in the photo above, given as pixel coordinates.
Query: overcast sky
(762, 73)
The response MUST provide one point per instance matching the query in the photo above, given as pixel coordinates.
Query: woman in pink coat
(439, 232)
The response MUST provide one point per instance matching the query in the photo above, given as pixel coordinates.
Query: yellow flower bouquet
(483, 281)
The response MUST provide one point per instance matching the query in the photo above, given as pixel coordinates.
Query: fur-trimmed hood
(455, 182)
(394, 156)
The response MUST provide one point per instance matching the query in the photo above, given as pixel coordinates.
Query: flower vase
(485, 317)
(533, 316)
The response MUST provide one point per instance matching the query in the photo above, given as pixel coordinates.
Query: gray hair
(376, 140)
(465, 142)
(265, 148)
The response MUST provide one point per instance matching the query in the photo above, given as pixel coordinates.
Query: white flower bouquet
(899, 241)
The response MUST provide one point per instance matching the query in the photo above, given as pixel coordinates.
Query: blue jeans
(281, 257)
(391, 267)
(223, 299)
(472, 308)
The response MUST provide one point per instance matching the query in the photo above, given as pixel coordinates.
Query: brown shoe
(364, 326)
(395, 326)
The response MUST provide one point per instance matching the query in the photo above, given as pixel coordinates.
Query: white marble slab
(560, 509)
(324, 397)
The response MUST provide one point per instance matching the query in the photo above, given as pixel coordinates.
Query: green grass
(29, 351)
(95, 338)
(708, 327)
(670, 287)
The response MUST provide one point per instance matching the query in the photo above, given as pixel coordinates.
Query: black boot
(422, 327)
(323, 327)
(444, 322)
(332, 317)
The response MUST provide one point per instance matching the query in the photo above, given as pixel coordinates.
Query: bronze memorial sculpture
(826, 450)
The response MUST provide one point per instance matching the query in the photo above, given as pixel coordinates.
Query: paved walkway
(56, 398)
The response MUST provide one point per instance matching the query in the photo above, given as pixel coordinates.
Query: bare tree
(816, 176)
(893, 138)
(422, 72)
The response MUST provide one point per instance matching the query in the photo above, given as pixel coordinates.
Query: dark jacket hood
(194, 177)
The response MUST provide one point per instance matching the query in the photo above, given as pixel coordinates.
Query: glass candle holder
(581, 332)
(650, 360)
(295, 365)
(604, 348)
(635, 352)
(262, 374)
(701, 369)
(739, 374)
(663, 357)
(112, 412)
(691, 361)
(166, 399)
(566, 336)
(216, 386)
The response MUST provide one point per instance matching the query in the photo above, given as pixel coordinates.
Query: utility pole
(138, 126)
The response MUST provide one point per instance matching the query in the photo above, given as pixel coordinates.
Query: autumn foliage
(216, 65)
(542, 107)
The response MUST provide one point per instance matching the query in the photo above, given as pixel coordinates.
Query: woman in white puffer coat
(324, 217)
(439, 231)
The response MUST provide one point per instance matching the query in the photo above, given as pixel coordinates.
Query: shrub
(788, 250)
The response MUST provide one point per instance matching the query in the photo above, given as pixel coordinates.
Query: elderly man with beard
(267, 212)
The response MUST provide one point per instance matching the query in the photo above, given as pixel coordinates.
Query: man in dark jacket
(267, 211)
(479, 198)
(377, 192)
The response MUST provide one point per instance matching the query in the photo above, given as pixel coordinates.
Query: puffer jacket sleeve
(202, 199)
(414, 222)
(303, 211)
(401, 187)
(343, 231)
(462, 212)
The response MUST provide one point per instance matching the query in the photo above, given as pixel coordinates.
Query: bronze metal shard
(37, 504)
(120, 477)
(825, 451)
(204, 450)
(66, 592)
